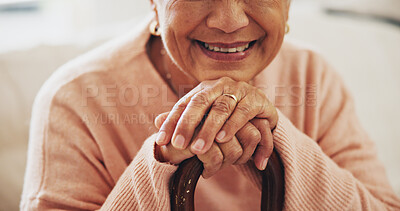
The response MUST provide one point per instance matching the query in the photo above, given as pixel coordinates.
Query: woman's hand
(216, 158)
(222, 154)
(208, 97)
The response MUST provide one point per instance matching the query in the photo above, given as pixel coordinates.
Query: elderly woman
(225, 88)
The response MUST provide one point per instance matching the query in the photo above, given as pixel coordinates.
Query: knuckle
(222, 106)
(234, 155)
(245, 143)
(242, 83)
(201, 99)
(258, 95)
(231, 125)
(169, 124)
(251, 137)
(244, 159)
(205, 84)
(216, 160)
(244, 109)
(249, 147)
(254, 135)
(225, 79)
(179, 106)
(241, 161)
(259, 92)
(265, 123)
(183, 100)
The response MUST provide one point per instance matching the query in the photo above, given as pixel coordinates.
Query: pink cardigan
(92, 145)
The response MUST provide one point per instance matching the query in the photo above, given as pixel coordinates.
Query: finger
(242, 114)
(249, 137)
(232, 151)
(220, 111)
(195, 111)
(168, 153)
(167, 128)
(212, 160)
(191, 117)
(160, 119)
(254, 104)
(269, 112)
(266, 145)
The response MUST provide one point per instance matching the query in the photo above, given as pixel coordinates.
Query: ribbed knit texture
(92, 139)
(151, 183)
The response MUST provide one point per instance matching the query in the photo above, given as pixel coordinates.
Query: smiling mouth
(223, 48)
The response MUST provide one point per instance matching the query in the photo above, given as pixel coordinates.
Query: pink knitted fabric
(91, 144)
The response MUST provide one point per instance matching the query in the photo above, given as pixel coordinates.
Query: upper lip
(228, 45)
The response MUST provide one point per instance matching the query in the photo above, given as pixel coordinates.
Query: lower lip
(230, 57)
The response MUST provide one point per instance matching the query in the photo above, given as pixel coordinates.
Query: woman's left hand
(225, 115)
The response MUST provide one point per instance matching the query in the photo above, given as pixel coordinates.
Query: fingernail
(161, 137)
(221, 135)
(264, 164)
(179, 141)
(198, 145)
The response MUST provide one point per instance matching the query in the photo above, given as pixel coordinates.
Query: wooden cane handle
(183, 184)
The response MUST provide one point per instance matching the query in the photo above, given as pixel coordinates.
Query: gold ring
(231, 96)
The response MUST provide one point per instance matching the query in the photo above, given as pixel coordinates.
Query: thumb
(160, 119)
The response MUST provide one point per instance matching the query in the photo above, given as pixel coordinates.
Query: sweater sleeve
(66, 171)
(339, 168)
(330, 163)
(350, 178)
(144, 185)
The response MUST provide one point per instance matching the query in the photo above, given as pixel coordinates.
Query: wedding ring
(231, 96)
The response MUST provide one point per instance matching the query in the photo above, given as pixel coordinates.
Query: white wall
(69, 21)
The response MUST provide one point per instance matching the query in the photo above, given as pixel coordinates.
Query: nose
(227, 16)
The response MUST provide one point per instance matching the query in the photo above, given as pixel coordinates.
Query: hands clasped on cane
(236, 117)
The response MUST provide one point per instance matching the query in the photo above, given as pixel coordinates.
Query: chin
(237, 74)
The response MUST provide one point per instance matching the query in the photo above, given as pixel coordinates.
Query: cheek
(180, 20)
(272, 21)
(269, 14)
(271, 46)
(184, 16)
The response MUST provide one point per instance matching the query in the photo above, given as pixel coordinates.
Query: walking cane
(183, 184)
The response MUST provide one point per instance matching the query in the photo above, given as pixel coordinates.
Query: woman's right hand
(213, 160)
(220, 154)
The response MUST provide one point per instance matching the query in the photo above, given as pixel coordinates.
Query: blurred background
(360, 38)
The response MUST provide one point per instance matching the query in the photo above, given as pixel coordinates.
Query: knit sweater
(92, 138)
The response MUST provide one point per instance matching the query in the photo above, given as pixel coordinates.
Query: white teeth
(226, 50)
(232, 50)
